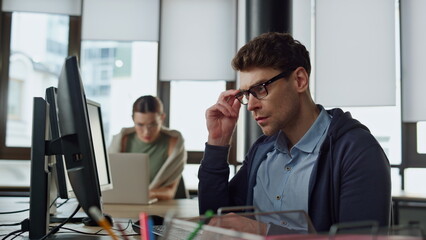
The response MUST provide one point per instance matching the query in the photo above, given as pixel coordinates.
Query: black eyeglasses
(258, 91)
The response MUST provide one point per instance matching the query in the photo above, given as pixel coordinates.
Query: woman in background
(164, 146)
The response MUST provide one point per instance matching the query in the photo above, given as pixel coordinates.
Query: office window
(421, 137)
(413, 177)
(14, 109)
(115, 74)
(39, 44)
(396, 180)
(190, 175)
(413, 92)
(346, 64)
(189, 101)
(381, 110)
(15, 173)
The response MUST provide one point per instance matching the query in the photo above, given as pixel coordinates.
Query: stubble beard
(269, 129)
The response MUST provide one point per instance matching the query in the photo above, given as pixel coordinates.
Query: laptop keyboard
(173, 234)
(159, 230)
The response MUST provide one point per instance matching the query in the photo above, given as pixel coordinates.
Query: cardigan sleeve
(214, 188)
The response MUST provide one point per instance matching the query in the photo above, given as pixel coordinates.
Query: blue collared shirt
(282, 181)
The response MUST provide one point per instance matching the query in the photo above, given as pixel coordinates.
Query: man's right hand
(222, 118)
(239, 223)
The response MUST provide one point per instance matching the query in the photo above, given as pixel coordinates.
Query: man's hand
(222, 118)
(239, 223)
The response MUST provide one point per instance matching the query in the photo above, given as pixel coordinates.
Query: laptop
(130, 179)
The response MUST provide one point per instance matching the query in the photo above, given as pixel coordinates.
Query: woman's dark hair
(148, 104)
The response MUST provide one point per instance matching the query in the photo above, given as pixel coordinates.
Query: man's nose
(253, 103)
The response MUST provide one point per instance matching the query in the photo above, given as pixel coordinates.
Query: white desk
(183, 208)
(404, 197)
(120, 212)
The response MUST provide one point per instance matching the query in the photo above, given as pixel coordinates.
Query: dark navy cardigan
(349, 182)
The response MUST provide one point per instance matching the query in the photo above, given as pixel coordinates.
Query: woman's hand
(164, 193)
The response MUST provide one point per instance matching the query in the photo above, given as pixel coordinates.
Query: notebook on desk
(130, 179)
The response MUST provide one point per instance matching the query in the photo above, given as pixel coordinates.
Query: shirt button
(283, 222)
(288, 168)
(278, 197)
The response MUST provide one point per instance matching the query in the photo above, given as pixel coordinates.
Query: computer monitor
(59, 171)
(76, 137)
(75, 144)
(98, 138)
(61, 187)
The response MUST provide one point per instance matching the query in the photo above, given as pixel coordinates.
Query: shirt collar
(281, 143)
(311, 138)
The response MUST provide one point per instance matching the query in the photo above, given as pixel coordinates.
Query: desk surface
(408, 197)
(183, 208)
(121, 213)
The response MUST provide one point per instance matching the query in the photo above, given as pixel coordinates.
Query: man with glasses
(320, 161)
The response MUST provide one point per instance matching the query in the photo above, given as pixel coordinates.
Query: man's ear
(302, 79)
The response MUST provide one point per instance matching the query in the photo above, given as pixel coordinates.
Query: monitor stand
(61, 217)
(40, 195)
(40, 181)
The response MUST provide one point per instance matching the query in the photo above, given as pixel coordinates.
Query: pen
(143, 223)
(150, 226)
(207, 215)
(102, 221)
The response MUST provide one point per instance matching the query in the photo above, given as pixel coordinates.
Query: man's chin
(268, 131)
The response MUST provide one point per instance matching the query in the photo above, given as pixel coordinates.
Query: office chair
(181, 191)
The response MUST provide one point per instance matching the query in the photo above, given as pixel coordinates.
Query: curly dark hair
(273, 50)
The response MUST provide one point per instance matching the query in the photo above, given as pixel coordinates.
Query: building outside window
(115, 74)
(39, 45)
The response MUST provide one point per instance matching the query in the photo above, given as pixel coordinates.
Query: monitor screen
(98, 139)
